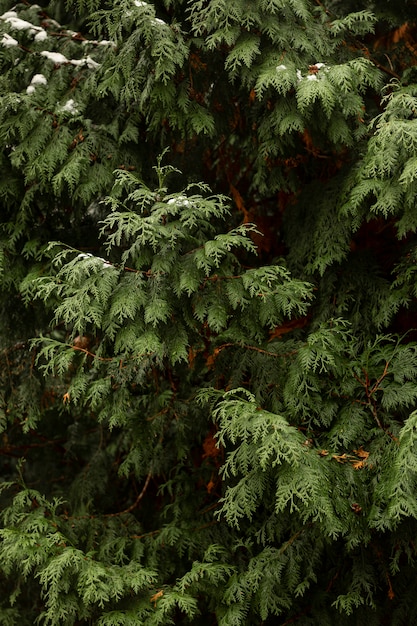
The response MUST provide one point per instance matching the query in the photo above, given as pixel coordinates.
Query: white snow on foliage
(38, 79)
(312, 73)
(58, 58)
(41, 35)
(8, 41)
(11, 18)
(55, 57)
(91, 64)
(86, 255)
(69, 107)
(96, 42)
(181, 201)
(88, 61)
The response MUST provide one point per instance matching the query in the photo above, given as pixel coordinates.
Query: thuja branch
(108, 359)
(136, 502)
(380, 379)
(370, 393)
(92, 354)
(294, 537)
(129, 509)
(254, 348)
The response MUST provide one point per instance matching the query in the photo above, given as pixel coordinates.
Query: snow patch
(281, 68)
(88, 61)
(8, 15)
(38, 79)
(8, 41)
(87, 255)
(69, 107)
(55, 57)
(11, 18)
(41, 35)
(58, 58)
(96, 42)
(313, 72)
(181, 201)
(91, 64)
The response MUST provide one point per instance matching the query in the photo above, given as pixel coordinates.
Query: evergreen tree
(208, 354)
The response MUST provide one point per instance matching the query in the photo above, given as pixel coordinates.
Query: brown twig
(255, 349)
(95, 356)
(370, 393)
(136, 502)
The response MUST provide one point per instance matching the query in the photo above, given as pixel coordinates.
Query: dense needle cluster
(208, 357)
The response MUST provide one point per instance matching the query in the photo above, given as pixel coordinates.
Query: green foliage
(208, 365)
